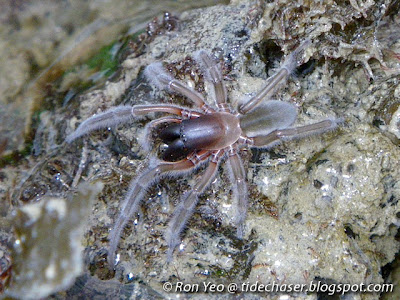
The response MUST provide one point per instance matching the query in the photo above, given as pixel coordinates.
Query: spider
(206, 135)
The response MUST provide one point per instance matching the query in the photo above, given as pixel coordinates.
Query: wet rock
(48, 249)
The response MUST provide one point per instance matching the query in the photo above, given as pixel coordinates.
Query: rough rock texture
(323, 208)
(40, 40)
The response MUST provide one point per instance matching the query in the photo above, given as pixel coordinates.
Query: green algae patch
(48, 250)
(105, 60)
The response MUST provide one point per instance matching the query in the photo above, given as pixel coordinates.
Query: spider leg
(288, 66)
(139, 110)
(123, 114)
(109, 118)
(279, 135)
(136, 192)
(156, 74)
(186, 207)
(238, 179)
(212, 72)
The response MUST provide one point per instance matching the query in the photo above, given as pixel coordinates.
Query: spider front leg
(139, 110)
(109, 118)
(186, 207)
(136, 192)
(123, 114)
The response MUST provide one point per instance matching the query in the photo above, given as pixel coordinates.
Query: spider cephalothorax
(207, 135)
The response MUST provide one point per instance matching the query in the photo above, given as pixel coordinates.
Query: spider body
(214, 131)
(207, 135)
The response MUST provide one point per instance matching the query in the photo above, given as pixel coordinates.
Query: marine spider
(208, 134)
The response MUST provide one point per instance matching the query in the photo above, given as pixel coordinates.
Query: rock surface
(323, 208)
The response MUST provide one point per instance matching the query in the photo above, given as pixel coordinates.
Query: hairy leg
(281, 75)
(109, 118)
(156, 74)
(238, 179)
(123, 114)
(139, 110)
(212, 73)
(186, 207)
(279, 135)
(136, 192)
